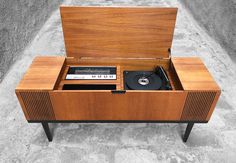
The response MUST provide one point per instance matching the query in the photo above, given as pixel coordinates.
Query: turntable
(118, 68)
(147, 80)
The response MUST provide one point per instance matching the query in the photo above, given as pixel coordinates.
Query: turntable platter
(142, 80)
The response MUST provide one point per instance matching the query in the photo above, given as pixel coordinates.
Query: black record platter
(147, 80)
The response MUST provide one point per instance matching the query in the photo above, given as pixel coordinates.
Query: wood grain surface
(131, 39)
(22, 105)
(213, 105)
(121, 64)
(42, 74)
(103, 105)
(193, 74)
(118, 31)
(133, 63)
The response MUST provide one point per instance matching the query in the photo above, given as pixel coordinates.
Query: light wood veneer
(127, 32)
(131, 39)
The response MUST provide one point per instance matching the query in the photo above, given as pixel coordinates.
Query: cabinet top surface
(126, 32)
(193, 74)
(42, 74)
(44, 71)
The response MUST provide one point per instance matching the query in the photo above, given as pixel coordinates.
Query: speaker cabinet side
(202, 90)
(198, 105)
(36, 105)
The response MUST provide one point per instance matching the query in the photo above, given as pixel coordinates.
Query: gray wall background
(19, 22)
(218, 17)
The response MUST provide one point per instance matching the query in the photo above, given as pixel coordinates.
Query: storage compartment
(89, 87)
(121, 66)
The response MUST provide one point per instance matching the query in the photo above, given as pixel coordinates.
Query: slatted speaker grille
(197, 105)
(38, 105)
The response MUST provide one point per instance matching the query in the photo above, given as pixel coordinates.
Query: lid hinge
(169, 51)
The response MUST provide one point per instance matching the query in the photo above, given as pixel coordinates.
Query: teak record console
(129, 39)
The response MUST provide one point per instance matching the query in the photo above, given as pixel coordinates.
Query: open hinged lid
(118, 32)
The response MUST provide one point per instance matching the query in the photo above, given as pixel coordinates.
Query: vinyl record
(142, 80)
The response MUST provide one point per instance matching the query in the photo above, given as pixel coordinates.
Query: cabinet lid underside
(118, 32)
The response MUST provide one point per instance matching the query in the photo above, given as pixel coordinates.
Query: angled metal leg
(47, 131)
(187, 131)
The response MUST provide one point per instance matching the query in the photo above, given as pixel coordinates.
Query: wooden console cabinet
(130, 38)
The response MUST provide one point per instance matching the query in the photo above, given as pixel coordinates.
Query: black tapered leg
(187, 131)
(47, 131)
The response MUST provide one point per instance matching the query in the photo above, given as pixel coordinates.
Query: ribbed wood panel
(197, 105)
(38, 105)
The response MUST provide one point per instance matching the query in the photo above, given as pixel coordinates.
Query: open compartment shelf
(121, 65)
